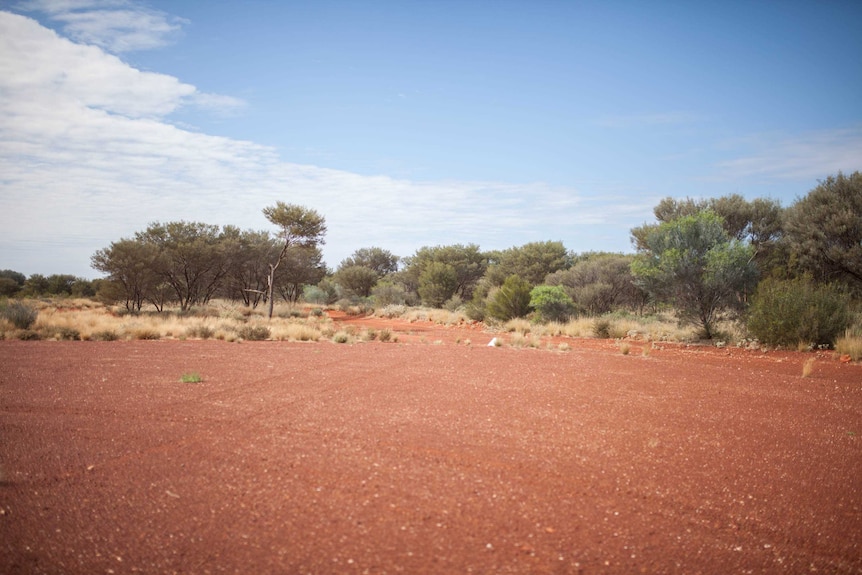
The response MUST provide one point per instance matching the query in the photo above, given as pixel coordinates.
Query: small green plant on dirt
(191, 377)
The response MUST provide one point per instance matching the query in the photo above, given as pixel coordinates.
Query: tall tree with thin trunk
(298, 227)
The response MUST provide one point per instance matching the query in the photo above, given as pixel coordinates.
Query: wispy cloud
(88, 155)
(115, 25)
(812, 155)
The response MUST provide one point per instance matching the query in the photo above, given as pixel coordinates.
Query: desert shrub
(391, 310)
(28, 335)
(387, 294)
(254, 332)
(105, 335)
(67, 333)
(200, 331)
(147, 333)
(511, 300)
(341, 337)
(21, 315)
(786, 312)
(551, 303)
(384, 335)
(602, 328)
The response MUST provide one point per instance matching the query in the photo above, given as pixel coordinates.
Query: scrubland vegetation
(724, 270)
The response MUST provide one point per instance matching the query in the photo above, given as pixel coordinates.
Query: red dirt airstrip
(427, 455)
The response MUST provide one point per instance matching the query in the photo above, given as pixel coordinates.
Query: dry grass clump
(439, 316)
(518, 339)
(227, 321)
(294, 331)
(808, 367)
(850, 345)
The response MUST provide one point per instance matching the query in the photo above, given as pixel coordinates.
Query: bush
(105, 335)
(551, 303)
(22, 316)
(788, 312)
(29, 335)
(254, 332)
(602, 328)
(511, 300)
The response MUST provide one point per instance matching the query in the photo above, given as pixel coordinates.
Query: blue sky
(411, 123)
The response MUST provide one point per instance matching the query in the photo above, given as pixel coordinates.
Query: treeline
(708, 259)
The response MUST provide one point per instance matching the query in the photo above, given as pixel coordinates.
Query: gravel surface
(425, 458)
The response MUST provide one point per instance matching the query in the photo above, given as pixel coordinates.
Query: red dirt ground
(418, 457)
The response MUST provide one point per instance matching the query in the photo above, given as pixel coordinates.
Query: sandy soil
(425, 457)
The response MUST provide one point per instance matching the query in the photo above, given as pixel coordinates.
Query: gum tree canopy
(297, 227)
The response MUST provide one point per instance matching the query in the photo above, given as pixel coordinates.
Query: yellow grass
(88, 320)
(849, 345)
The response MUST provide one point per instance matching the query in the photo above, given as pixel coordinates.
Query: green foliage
(468, 263)
(691, 263)
(437, 283)
(356, 280)
(551, 303)
(532, 262)
(599, 283)
(387, 293)
(191, 377)
(20, 315)
(824, 230)
(254, 332)
(381, 261)
(11, 282)
(511, 300)
(789, 312)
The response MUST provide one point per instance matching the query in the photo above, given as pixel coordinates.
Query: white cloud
(809, 156)
(115, 25)
(87, 157)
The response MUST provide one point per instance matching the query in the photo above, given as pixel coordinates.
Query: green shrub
(254, 332)
(21, 315)
(511, 300)
(551, 303)
(788, 312)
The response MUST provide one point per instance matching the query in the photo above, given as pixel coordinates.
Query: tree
(129, 265)
(599, 283)
(381, 261)
(511, 300)
(532, 262)
(357, 279)
(438, 283)
(297, 227)
(824, 230)
(691, 263)
(191, 259)
(468, 263)
(302, 266)
(11, 282)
